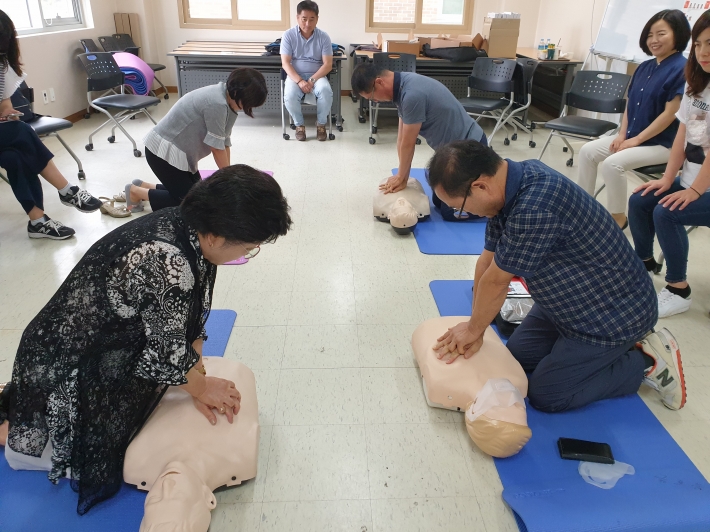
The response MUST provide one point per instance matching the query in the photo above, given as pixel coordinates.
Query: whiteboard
(624, 20)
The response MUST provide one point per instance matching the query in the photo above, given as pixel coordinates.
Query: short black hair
(678, 23)
(238, 203)
(456, 165)
(307, 5)
(247, 87)
(364, 76)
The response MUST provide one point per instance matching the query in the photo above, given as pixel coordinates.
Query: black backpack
(456, 54)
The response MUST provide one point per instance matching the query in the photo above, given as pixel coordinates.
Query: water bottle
(541, 49)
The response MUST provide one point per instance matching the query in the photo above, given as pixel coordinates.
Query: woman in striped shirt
(199, 123)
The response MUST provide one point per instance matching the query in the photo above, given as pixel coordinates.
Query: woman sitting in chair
(23, 155)
(649, 123)
(199, 123)
(666, 206)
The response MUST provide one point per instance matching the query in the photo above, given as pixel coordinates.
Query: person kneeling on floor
(589, 335)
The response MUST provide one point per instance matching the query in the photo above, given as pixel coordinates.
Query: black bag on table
(457, 54)
(273, 48)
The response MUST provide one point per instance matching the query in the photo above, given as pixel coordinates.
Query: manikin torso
(455, 386)
(181, 458)
(402, 209)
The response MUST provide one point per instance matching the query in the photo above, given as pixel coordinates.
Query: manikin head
(179, 501)
(496, 420)
(373, 83)
(469, 176)
(402, 209)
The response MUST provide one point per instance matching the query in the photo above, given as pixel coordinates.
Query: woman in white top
(23, 155)
(666, 206)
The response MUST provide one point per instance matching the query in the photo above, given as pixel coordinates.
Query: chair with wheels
(125, 42)
(522, 79)
(308, 101)
(491, 75)
(593, 91)
(103, 74)
(395, 62)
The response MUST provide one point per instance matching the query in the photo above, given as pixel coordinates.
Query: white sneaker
(670, 303)
(666, 375)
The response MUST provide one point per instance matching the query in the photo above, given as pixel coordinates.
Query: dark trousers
(175, 183)
(566, 373)
(23, 156)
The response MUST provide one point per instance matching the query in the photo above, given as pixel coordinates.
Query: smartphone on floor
(585, 451)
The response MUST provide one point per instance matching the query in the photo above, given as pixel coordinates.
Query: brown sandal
(108, 207)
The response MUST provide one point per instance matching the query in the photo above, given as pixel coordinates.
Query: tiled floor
(325, 317)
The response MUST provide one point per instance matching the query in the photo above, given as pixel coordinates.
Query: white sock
(39, 220)
(65, 190)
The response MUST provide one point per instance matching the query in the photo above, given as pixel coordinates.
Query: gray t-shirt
(306, 55)
(426, 101)
(200, 120)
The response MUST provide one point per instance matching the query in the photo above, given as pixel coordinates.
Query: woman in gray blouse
(199, 123)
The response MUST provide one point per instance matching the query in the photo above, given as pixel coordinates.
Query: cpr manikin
(490, 386)
(181, 458)
(402, 209)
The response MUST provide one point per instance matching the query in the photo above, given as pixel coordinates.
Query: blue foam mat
(547, 493)
(30, 503)
(436, 236)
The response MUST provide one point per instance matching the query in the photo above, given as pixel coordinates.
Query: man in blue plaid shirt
(589, 335)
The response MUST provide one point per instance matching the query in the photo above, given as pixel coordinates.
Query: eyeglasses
(465, 197)
(253, 253)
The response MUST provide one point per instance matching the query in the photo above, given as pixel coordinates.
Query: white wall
(575, 22)
(50, 61)
(50, 58)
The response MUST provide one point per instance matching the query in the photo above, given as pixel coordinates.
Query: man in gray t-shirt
(425, 106)
(307, 58)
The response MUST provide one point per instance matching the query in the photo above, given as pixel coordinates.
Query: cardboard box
(502, 36)
(403, 47)
(448, 42)
(407, 47)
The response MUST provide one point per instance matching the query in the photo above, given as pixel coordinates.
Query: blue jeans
(567, 373)
(293, 97)
(647, 218)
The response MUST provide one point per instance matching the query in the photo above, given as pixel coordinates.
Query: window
(424, 16)
(235, 14)
(36, 16)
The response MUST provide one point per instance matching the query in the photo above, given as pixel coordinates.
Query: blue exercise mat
(30, 503)
(546, 493)
(436, 236)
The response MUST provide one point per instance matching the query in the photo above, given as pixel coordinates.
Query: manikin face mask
(495, 393)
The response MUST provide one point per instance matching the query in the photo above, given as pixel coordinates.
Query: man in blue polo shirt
(425, 106)
(307, 58)
(588, 336)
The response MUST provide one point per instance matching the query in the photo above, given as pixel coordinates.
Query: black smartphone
(585, 451)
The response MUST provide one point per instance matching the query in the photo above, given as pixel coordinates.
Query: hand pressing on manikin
(457, 341)
(221, 395)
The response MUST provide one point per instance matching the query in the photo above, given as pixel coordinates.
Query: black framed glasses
(465, 197)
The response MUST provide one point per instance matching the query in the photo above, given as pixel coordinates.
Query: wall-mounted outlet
(51, 94)
(45, 97)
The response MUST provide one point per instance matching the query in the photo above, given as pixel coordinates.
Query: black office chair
(395, 62)
(285, 135)
(594, 91)
(125, 42)
(110, 44)
(103, 74)
(491, 75)
(89, 45)
(522, 80)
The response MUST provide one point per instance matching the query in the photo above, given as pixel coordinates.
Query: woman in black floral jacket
(127, 323)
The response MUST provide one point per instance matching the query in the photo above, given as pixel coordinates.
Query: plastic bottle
(541, 49)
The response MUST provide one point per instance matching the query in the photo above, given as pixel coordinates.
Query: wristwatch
(312, 79)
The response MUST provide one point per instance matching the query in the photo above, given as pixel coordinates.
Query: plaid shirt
(577, 263)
